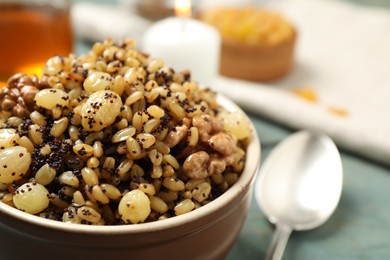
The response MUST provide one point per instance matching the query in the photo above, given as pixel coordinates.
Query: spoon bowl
(299, 185)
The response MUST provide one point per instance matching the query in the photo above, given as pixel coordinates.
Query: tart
(257, 44)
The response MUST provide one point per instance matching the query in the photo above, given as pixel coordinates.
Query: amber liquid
(29, 35)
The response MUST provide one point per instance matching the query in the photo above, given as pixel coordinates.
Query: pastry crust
(257, 62)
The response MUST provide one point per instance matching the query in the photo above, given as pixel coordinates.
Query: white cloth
(343, 53)
(97, 22)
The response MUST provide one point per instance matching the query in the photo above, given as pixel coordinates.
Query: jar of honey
(31, 31)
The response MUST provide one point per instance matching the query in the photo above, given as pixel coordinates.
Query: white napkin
(97, 22)
(343, 53)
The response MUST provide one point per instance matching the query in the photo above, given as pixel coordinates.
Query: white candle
(185, 44)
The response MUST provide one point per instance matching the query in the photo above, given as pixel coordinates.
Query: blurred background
(34, 30)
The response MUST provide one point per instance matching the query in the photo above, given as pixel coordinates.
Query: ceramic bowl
(205, 233)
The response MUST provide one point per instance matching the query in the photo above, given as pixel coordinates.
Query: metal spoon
(299, 186)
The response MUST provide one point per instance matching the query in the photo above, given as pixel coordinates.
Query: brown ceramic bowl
(256, 62)
(206, 233)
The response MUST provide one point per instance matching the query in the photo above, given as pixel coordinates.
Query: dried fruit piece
(306, 93)
(100, 110)
(8, 137)
(52, 98)
(31, 197)
(338, 111)
(14, 163)
(98, 81)
(134, 207)
(235, 123)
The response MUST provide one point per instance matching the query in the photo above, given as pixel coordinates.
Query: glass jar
(31, 31)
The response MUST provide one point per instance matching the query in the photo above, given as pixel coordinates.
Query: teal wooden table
(359, 228)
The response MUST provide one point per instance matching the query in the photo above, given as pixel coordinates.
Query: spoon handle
(279, 242)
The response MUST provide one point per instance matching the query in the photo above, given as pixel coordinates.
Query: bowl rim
(252, 164)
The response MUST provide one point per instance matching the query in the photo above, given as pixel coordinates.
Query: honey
(30, 34)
